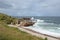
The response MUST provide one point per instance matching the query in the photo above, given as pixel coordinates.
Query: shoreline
(42, 31)
(34, 33)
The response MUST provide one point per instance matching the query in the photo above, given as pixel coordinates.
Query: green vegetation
(10, 33)
(46, 39)
(7, 19)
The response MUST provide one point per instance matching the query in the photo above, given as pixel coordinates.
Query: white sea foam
(38, 20)
(41, 22)
(39, 29)
(58, 28)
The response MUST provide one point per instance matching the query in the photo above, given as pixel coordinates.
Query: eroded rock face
(26, 23)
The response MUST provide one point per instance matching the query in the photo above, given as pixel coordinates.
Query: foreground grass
(8, 33)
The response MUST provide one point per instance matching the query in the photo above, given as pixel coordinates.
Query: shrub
(46, 39)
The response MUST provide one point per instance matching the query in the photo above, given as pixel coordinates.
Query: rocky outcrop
(26, 18)
(26, 23)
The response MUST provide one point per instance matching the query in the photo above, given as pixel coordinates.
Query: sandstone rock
(26, 23)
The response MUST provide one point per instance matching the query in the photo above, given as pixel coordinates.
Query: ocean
(49, 25)
(48, 19)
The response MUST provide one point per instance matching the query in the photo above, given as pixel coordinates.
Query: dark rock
(26, 18)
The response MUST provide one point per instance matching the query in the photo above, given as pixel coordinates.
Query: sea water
(47, 25)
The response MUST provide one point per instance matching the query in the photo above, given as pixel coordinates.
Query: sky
(30, 7)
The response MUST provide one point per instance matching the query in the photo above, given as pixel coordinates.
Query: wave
(38, 29)
(46, 28)
(42, 22)
(38, 20)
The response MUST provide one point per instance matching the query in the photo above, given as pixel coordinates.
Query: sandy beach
(34, 33)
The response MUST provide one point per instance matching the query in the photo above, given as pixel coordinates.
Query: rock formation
(26, 23)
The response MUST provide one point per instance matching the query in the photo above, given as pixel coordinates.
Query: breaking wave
(46, 28)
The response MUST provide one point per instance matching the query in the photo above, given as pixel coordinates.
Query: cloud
(5, 4)
(31, 7)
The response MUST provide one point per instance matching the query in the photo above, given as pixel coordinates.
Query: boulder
(26, 23)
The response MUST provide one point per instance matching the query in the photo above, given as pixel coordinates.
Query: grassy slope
(8, 33)
(7, 19)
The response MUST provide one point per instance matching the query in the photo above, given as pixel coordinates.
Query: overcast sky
(30, 7)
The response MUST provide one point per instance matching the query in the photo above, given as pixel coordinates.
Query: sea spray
(46, 28)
